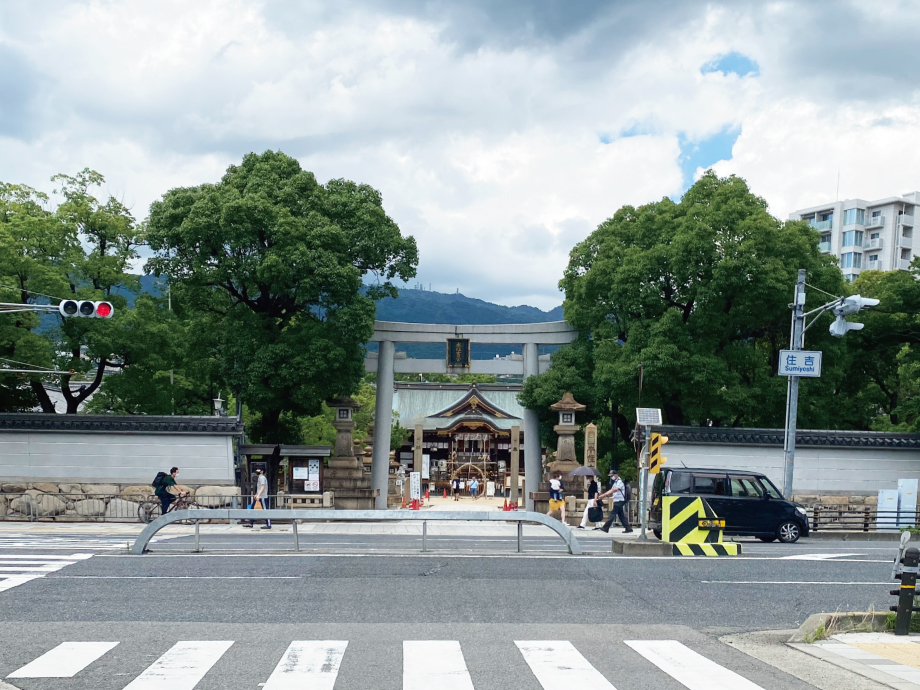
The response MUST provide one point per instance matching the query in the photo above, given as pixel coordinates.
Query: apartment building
(865, 235)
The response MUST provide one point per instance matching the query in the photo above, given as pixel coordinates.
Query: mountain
(425, 306)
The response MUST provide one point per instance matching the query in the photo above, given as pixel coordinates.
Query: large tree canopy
(277, 261)
(698, 293)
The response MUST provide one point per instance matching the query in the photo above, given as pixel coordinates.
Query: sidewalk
(887, 659)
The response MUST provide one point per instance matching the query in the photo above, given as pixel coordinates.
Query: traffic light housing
(655, 458)
(86, 309)
(847, 306)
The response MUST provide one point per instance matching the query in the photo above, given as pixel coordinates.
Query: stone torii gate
(529, 335)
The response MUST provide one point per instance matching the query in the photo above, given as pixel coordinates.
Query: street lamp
(218, 406)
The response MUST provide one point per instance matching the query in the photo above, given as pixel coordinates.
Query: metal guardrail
(518, 516)
(861, 520)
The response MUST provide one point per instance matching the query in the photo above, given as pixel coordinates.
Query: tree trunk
(74, 400)
(43, 398)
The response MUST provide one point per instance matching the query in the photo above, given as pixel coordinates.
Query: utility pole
(792, 394)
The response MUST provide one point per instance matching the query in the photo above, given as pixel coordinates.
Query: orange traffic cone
(404, 501)
(505, 506)
(427, 497)
(445, 493)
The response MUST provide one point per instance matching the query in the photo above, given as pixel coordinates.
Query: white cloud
(481, 126)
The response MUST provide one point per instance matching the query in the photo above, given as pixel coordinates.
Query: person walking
(616, 489)
(593, 490)
(474, 488)
(260, 497)
(455, 485)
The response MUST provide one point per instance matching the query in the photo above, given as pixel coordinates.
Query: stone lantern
(343, 456)
(565, 460)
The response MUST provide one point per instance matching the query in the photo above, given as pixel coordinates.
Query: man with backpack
(619, 493)
(165, 488)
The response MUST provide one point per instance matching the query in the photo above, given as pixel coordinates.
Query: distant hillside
(423, 306)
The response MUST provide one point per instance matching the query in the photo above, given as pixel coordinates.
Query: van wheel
(657, 533)
(767, 540)
(789, 532)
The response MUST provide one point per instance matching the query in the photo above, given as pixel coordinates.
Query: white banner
(415, 486)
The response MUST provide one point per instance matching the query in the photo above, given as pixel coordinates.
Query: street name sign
(799, 363)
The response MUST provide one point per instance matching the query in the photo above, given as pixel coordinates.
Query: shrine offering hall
(466, 429)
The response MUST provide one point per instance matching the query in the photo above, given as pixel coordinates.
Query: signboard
(301, 473)
(415, 486)
(490, 488)
(648, 416)
(426, 467)
(590, 446)
(458, 352)
(799, 363)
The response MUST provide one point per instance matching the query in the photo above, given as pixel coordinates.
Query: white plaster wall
(114, 458)
(818, 470)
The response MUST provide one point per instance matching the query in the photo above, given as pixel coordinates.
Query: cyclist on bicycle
(168, 491)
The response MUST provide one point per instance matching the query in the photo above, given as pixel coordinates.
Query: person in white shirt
(617, 490)
(261, 496)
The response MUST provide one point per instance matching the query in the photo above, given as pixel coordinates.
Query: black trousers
(165, 502)
(619, 510)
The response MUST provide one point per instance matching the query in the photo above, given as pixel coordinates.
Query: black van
(748, 501)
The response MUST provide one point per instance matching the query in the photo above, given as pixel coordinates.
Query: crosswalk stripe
(559, 666)
(690, 669)
(434, 664)
(35, 568)
(10, 582)
(312, 664)
(18, 569)
(64, 661)
(180, 668)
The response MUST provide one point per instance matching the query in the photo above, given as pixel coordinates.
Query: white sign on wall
(799, 363)
(426, 466)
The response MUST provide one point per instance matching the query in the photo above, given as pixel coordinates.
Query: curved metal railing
(518, 516)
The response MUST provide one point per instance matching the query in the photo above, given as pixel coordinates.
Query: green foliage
(280, 259)
(892, 617)
(698, 293)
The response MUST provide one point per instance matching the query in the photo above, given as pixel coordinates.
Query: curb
(831, 535)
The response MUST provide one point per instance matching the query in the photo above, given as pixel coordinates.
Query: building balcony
(904, 264)
(873, 265)
(874, 243)
(906, 220)
(905, 242)
(876, 222)
(822, 224)
(824, 247)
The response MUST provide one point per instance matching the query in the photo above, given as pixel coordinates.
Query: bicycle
(151, 509)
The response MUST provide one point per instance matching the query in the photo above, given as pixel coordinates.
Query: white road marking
(178, 577)
(19, 569)
(64, 661)
(310, 664)
(692, 670)
(181, 668)
(559, 666)
(786, 582)
(431, 664)
(818, 556)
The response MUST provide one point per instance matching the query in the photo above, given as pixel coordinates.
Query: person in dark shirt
(168, 491)
(593, 490)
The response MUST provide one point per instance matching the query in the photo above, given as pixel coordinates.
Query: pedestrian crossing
(52, 542)
(17, 569)
(427, 664)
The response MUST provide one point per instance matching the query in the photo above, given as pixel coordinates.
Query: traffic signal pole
(643, 486)
(792, 393)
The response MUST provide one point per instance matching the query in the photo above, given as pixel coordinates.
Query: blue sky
(499, 134)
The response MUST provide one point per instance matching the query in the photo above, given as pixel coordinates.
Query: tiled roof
(122, 424)
(803, 437)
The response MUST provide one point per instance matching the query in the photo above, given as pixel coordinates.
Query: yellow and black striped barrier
(693, 527)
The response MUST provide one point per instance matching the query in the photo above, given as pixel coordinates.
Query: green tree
(280, 259)
(698, 293)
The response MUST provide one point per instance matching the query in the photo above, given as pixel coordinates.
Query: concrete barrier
(519, 516)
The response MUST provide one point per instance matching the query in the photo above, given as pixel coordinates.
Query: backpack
(157, 482)
(627, 492)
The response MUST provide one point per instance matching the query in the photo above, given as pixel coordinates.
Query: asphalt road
(262, 600)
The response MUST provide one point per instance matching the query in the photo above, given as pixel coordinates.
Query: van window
(746, 487)
(771, 490)
(679, 483)
(710, 485)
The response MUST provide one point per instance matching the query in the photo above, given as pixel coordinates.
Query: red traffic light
(104, 310)
(87, 309)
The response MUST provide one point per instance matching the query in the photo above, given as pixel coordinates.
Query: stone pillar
(515, 463)
(533, 461)
(418, 437)
(383, 422)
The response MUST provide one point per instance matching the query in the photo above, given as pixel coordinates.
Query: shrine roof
(439, 406)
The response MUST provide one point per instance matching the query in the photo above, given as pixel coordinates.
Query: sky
(499, 132)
